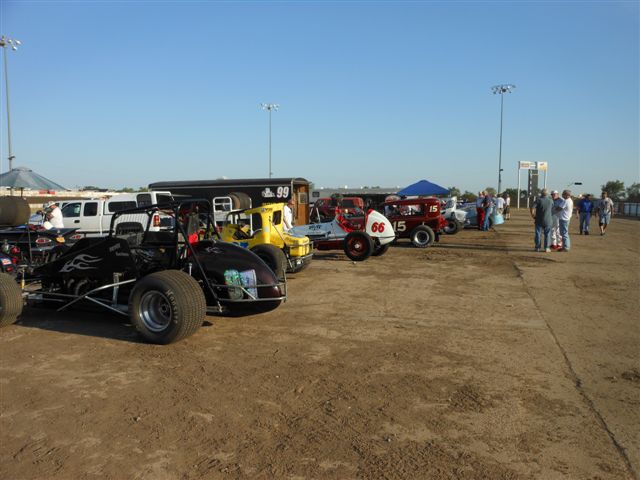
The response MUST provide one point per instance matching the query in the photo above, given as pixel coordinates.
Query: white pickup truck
(92, 217)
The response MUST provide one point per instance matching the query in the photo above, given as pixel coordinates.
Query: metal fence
(628, 209)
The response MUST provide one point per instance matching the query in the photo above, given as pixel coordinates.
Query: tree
(633, 193)
(615, 189)
(454, 192)
(512, 192)
(491, 191)
(469, 196)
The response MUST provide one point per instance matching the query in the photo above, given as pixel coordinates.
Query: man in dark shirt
(541, 211)
(585, 207)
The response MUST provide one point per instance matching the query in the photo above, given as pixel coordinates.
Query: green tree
(512, 192)
(615, 189)
(633, 193)
(126, 190)
(490, 191)
(469, 196)
(454, 192)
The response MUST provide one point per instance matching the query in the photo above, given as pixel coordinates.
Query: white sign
(281, 192)
(543, 166)
(527, 165)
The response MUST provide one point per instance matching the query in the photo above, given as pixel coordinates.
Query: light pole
(501, 89)
(270, 107)
(4, 43)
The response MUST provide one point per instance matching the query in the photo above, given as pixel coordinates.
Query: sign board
(542, 166)
(527, 165)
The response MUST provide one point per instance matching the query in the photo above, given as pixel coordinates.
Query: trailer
(241, 194)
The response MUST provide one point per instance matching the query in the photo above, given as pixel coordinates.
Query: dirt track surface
(477, 358)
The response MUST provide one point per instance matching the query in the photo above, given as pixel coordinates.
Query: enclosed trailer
(245, 193)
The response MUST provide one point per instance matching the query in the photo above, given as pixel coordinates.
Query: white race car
(360, 235)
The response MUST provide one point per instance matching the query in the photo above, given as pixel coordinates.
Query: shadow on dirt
(332, 256)
(87, 323)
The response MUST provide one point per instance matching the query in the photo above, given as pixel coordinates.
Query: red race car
(418, 219)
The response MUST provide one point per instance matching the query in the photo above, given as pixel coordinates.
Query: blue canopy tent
(423, 188)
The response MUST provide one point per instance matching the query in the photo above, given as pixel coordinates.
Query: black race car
(165, 277)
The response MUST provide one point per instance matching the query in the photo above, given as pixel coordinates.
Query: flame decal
(81, 262)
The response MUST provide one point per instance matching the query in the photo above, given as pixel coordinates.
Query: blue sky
(370, 93)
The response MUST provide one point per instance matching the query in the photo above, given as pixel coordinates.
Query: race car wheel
(167, 306)
(358, 246)
(380, 249)
(10, 300)
(274, 258)
(453, 226)
(422, 236)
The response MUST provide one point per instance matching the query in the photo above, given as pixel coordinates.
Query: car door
(90, 218)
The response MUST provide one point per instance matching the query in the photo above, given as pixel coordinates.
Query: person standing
(541, 212)
(556, 240)
(487, 205)
(480, 209)
(53, 214)
(288, 216)
(585, 207)
(499, 201)
(564, 219)
(507, 206)
(605, 212)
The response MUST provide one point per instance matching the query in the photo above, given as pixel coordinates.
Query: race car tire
(167, 306)
(453, 226)
(358, 246)
(10, 300)
(379, 250)
(240, 200)
(274, 257)
(14, 211)
(422, 236)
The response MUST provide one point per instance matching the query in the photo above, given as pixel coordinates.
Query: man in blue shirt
(585, 207)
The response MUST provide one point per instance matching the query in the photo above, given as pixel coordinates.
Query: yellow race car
(261, 230)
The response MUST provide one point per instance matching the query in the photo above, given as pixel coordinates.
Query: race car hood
(225, 263)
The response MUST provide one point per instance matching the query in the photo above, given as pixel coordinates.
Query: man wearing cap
(541, 213)
(53, 214)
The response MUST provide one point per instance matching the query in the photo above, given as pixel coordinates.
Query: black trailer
(245, 193)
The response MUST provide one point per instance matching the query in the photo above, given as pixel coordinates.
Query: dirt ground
(477, 358)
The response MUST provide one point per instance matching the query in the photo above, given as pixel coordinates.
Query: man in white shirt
(564, 218)
(53, 214)
(507, 206)
(499, 201)
(604, 211)
(288, 216)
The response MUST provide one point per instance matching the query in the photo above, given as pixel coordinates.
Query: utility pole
(13, 44)
(501, 89)
(270, 107)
